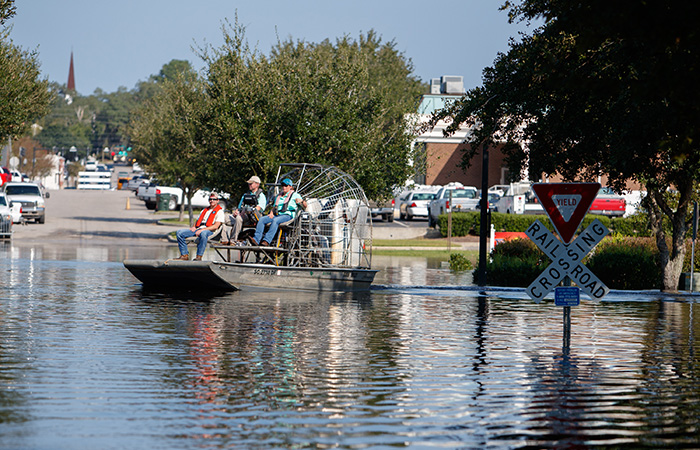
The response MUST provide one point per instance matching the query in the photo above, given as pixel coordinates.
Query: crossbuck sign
(566, 205)
(566, 260)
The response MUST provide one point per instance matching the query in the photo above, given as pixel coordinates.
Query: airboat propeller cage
(335, 230)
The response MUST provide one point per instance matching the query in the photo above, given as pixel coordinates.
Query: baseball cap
(287, 182)
(254, 179)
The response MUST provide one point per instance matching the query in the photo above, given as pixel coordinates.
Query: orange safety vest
(210, 219)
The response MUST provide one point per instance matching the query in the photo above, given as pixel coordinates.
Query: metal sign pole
(692, 250)
(449, 222)
(566, 319)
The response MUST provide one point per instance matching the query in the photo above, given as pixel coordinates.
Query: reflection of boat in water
(326, 247)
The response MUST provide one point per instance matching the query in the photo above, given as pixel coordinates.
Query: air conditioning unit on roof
(435, 85)
(452, 84)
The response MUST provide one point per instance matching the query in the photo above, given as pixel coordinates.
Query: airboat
(327, 247)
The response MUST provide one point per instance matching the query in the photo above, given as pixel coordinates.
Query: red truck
(608, 203)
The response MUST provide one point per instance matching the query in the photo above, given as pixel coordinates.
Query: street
(103, 215)
(96, 215)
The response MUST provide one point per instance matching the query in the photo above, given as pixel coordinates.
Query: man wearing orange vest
(209, 220)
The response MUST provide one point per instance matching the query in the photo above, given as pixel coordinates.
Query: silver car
(414, 204)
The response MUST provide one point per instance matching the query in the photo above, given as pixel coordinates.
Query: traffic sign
(566, 204)
(567, 296)
(566, 260)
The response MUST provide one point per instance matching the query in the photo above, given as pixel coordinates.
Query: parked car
(415, 204)
(608, 203)
(136, 181)
(5, 175)
(5, 218)
(29, 197)
(493, 197)
(383, 209)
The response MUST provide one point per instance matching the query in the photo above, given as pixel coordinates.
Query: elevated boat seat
(214, 235)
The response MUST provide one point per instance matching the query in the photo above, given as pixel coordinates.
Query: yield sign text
(566, 260)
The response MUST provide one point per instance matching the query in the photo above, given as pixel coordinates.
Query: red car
(608, 203)
(5, 175)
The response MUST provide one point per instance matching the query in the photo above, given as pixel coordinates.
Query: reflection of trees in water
(671, 373)
(281, 353)
(400, 356)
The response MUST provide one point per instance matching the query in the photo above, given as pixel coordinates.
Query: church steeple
(71, 75)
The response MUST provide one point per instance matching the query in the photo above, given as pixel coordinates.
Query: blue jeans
(185, 233)
(274, 225)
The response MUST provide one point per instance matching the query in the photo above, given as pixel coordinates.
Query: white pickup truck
(464, 198)
(149, 194)
(517, 198)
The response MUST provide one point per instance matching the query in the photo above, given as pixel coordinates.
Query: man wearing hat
(209, 221)
(284, 209)
(249, 208)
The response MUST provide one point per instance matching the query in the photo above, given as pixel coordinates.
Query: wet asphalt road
(117, 215)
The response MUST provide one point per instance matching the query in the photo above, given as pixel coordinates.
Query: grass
(420, 242)
(471, 255)
(174, 221)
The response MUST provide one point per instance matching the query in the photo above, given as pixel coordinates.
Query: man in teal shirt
(284, 209)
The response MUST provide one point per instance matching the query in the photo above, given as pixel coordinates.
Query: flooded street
(90, 360)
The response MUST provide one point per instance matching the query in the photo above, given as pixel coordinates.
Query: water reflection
(90, 359)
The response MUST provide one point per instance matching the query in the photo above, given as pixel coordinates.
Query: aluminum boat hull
(217, 275)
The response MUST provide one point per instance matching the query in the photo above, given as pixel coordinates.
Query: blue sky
(119, 42)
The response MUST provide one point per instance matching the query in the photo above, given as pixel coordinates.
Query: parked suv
(29, 196)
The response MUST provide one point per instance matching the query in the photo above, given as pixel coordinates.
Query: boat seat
(214, 235)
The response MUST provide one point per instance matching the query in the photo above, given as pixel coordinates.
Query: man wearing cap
(245, 213)
(209, 220)
(284, 209)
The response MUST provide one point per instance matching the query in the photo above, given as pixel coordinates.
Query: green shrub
(464, 224)
(626, 263)
(515, 263)
(632, 226)
(459, 262)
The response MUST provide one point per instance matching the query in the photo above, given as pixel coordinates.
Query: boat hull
(216, 275)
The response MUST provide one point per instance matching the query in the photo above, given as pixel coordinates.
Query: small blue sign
(567, 296)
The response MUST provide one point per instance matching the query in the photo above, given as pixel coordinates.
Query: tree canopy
(24, 96)
(601, 88)
(339, 104)
(167, 132)
(100, 120)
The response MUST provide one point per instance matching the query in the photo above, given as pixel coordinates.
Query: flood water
(89, 360)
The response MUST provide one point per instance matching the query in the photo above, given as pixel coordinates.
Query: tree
(24, 97)
(167, 134)
(601, 88)
(339, 104)
(100, 120)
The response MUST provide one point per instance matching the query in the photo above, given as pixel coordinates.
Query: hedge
(464, 224)
(627, 263)
(514, 263)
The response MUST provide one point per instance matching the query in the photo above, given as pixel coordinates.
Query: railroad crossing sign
(566, 204)
(566, 260)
